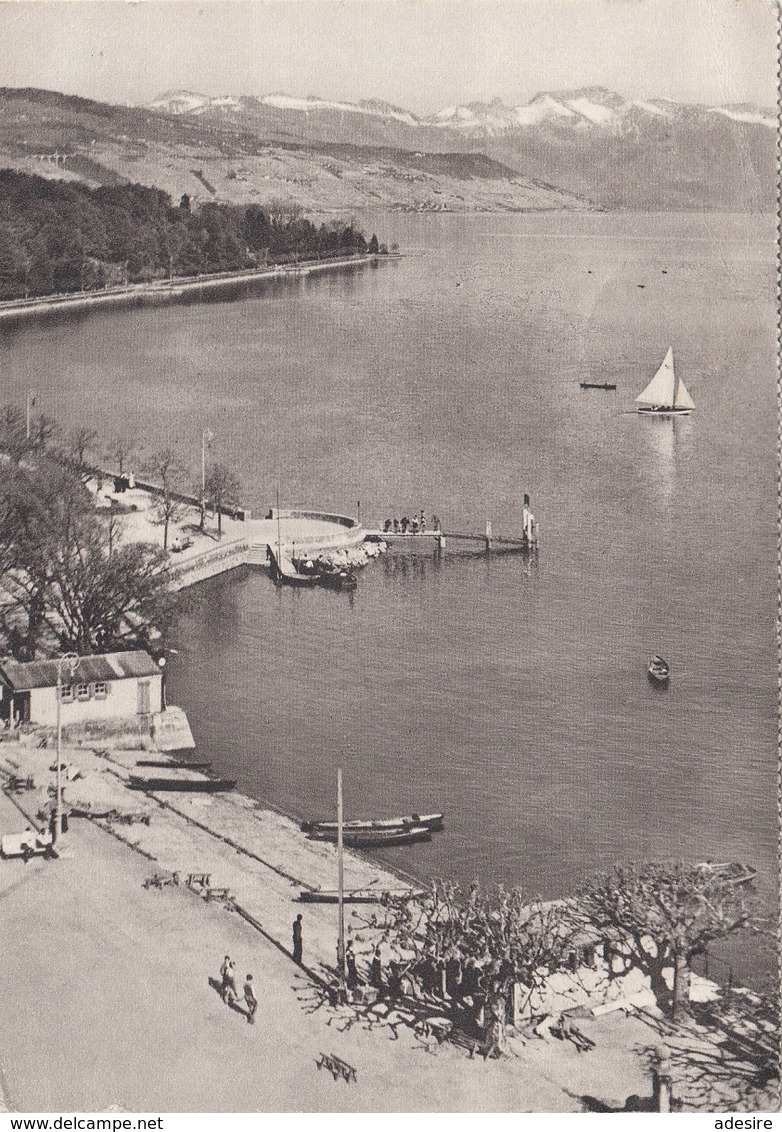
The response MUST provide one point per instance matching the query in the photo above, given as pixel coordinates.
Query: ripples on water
(512, 695)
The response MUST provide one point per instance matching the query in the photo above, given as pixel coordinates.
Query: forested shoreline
(59, 237)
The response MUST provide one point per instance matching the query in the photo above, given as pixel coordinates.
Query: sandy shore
(110, 987)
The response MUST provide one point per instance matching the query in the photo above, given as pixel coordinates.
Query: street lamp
(71, 660)
(207, 436)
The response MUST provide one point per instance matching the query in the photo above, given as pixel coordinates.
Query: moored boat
(434, 822)
(729, 872)
(666, 394)
(659, 669)
(367, 896)
(374, 838)
(189, 785)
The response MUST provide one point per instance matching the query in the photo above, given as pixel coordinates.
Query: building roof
(88, 669)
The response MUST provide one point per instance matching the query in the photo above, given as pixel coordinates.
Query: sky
(423, 55)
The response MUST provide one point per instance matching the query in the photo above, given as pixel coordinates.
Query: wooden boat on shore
(433, 822)
(598, 385)
(374, 838)
(659, 669)
(183, 785)
(366, 896)
(161, 765)
(729, 872)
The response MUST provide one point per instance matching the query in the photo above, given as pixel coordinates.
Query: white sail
(661, 390)
(682, 400)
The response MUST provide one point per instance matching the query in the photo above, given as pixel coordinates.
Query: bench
(16, 784)
(224, 894)
(336, 1067)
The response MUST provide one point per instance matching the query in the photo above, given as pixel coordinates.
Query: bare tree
(222, 491)
(168, 469)
(469, 951)
(81, 447)
(660, 916)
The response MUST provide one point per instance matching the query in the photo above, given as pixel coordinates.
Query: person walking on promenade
(298, 943)
(228, 976)
(376, 969)
(250, 999)
(350, 963)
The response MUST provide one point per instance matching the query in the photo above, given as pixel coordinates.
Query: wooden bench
(336, 1067)
(223, 894)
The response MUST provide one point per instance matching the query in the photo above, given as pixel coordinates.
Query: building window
(66, 693)
(82, 691)
(100, 691)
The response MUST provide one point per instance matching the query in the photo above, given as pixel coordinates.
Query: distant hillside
(235, 161)
(618, 152)
(589, 147)
(58, 236)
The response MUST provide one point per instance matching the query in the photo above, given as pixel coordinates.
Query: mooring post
(488, 534)
(440, 542)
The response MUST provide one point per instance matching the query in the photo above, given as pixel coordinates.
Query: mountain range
(587, 147)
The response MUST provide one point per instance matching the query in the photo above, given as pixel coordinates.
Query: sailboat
(666, 394)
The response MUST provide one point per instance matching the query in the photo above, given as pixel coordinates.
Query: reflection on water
(508, 691)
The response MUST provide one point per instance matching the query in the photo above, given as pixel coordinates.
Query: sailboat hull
(665, 411)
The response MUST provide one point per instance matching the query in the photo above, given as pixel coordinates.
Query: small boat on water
(729, 872)
(183, 785)
(434, 822)
(374, 838)
(659, 669)
(598, 385)
(666, 394)
(366, 896)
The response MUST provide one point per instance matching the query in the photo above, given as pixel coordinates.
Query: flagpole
(340, 894)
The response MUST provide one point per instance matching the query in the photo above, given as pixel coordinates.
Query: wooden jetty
(488, 540)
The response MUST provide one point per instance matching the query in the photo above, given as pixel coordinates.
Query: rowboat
(433, 822)
(327, 896)
(201, 786)
(659, 669)
(597, 385)
(371, 838)
(730, 873)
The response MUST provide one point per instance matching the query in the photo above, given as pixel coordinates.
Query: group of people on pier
(406, 526)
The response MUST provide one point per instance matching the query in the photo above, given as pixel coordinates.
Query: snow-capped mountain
(589, 107)
(590, 141)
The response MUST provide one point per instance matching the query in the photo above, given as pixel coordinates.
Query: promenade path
(107, 996)
(243, 542)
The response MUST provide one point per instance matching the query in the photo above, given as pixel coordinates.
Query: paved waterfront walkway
(107, 1001)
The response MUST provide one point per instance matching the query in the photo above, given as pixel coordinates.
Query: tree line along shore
(61, 238)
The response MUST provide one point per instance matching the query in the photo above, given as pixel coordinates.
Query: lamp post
(207, 436)
(70, 659)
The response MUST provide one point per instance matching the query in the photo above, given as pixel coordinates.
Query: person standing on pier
(298, 943)
(250, 999)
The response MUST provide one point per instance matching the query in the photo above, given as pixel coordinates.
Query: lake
(513, 695)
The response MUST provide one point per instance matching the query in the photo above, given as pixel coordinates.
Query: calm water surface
(511, 695)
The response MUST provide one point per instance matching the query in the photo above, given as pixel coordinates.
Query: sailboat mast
(340, 891)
